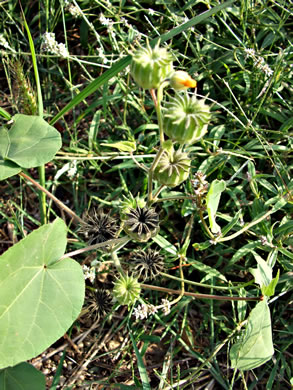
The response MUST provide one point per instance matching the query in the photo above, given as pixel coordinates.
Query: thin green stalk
(207, 285)
(151, 173)
(199, 296)
(41, 169)
(117, 263)
(93, 247)
(247, 227)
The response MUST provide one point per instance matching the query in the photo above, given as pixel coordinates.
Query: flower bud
(150, 66)
(186, 119)
(173, 168)
(181, 80)
(126, 290)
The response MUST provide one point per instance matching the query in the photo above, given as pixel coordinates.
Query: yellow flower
(181, 80)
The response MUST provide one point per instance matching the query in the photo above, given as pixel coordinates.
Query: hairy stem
(61, 205)
(200, 296)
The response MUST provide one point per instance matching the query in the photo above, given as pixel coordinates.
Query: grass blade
(141, 367)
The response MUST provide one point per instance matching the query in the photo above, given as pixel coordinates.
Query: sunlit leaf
(30, 142)
(24, 376)
(40, 295)
(213, 199)
(256, 347)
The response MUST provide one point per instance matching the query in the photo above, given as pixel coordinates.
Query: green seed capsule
(186, 119)
(173, 168)
(150, 66)
(126, 290)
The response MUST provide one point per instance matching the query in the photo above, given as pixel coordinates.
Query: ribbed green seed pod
(186, 119)
(173, 168)
(150, 66)
(126, 290)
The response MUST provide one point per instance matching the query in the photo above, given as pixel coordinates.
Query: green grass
(91, 99)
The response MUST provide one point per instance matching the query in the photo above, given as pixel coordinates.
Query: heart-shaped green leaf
(31, 141)
(24, 376)
(257, 345)
(40, 295)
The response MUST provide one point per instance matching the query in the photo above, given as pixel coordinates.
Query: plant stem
(151, 173)
(207, 285)
(117, 241)
(160, 189)
(200, 296)
(61, 205)
(116, 262)
(205, 225)
(248, 226)
(42, 195)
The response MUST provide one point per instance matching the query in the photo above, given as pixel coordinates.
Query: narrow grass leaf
(141, 367)
(165, 244)
(5, 114)
(35, 66)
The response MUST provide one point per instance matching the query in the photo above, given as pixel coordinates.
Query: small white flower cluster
(89, 273)
(151, 12)
(101, 54)
(143, 311)
(166, 306)
(105, 21)
(3, 42)
(72, 9)
(200, 185)
(72, 171)
(50, 45)
(258, 62)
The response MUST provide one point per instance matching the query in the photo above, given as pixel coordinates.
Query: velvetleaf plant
(184, 118)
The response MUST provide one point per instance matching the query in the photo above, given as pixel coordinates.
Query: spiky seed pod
(142, 223)
(173, 168)
(147, 264)
(186, 118)
(104, 301)
(181, 80)
(98, 227)
(126, 290)
(100, 303)
(129, 203)
(150, 66)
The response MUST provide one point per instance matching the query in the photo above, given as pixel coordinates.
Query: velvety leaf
(40, 295)
(24, 376)
(32, 141)
(256, 347)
